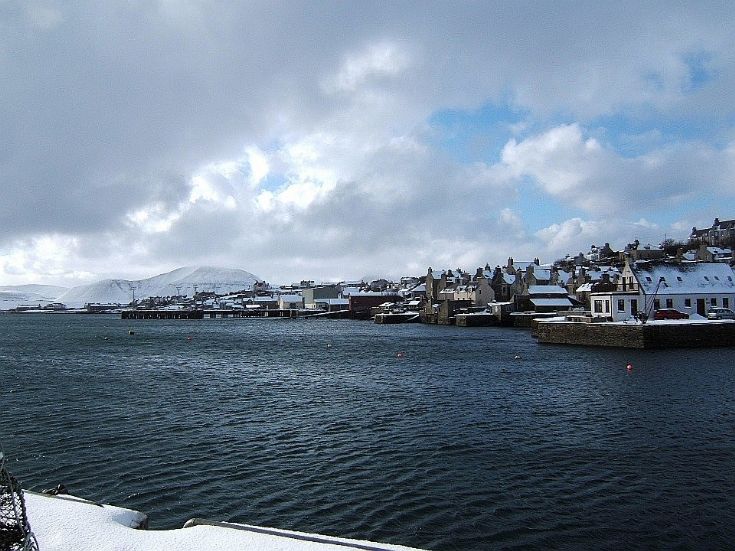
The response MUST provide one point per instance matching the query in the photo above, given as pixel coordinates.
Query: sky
(338, 140)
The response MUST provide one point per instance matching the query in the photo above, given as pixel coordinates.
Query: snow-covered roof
(546, 290)
(561, 302)
(291, 298)
(689, 255)
(351, 290)
(332, 300)
(719, 251)
(564, 276)
(596, 275)
(542, 273)
(703, 277)
(585, 288)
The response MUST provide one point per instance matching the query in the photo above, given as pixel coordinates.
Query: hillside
(12, 296)
(206, 278)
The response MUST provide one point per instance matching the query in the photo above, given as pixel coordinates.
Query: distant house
(332, 304)
(360, 304)
(477, 291)
(714, 254)
(290, 302)
(720, 234)
(648, 286)
(543, 298)
(312, 294)
(448, 292)
(265, 303)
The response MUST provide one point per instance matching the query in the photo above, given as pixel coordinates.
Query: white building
(290, 302)
(649, 286)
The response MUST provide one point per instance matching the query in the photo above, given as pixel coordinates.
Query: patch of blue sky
(475, 135)
(539, 210)
(273, 182)
(700, 70)
(634, 135)
(665, 217)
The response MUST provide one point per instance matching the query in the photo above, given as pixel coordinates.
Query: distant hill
(206, 278)
(12, 296)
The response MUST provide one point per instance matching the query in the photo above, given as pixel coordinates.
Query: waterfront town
(690, 279)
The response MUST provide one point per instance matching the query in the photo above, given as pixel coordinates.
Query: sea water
(444, 438)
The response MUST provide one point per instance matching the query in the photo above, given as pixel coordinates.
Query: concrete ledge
(650, 335)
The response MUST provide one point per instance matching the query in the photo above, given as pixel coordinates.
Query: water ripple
(319, 426)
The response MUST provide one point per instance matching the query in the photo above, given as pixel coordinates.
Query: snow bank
(67, 523)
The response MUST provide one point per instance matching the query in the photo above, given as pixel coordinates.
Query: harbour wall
(642, 336)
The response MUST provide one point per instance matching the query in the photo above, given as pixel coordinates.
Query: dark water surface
(319, 426)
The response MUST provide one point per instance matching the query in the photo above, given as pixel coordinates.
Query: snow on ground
(67, 523)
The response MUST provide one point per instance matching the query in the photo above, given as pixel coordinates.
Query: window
(726, 302)
(607, 306)
(706, 278)
(621, 305)
(688, 302)
(669, 303)
(678, 278)
(656, 304)
(713, 301)
(648, 279)
(598, 306)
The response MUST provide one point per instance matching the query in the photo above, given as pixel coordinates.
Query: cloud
(293, 139)
(582, 172)
(378, 61)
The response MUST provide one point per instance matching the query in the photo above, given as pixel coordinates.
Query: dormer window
(717, 278)
(678, 278)
(706, 278)
(648, 279)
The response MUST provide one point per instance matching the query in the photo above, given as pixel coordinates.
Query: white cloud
(294, 142)
(582, 172)
(375, 62)
(43, 15)
(570, 234)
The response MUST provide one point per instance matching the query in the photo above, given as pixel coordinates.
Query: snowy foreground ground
(67, 523)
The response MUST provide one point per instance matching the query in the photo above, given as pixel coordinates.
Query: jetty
(198, 314)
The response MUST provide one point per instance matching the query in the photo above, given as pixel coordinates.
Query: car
(718, 313)
(670, 314)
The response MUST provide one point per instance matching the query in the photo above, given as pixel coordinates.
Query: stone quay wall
(684, 335)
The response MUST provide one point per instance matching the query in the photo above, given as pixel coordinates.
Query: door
(701, 308)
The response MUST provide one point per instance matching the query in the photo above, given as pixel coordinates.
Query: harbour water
(437, 437)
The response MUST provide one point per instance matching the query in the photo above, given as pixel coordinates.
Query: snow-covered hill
(206, 278)
(12, 296)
